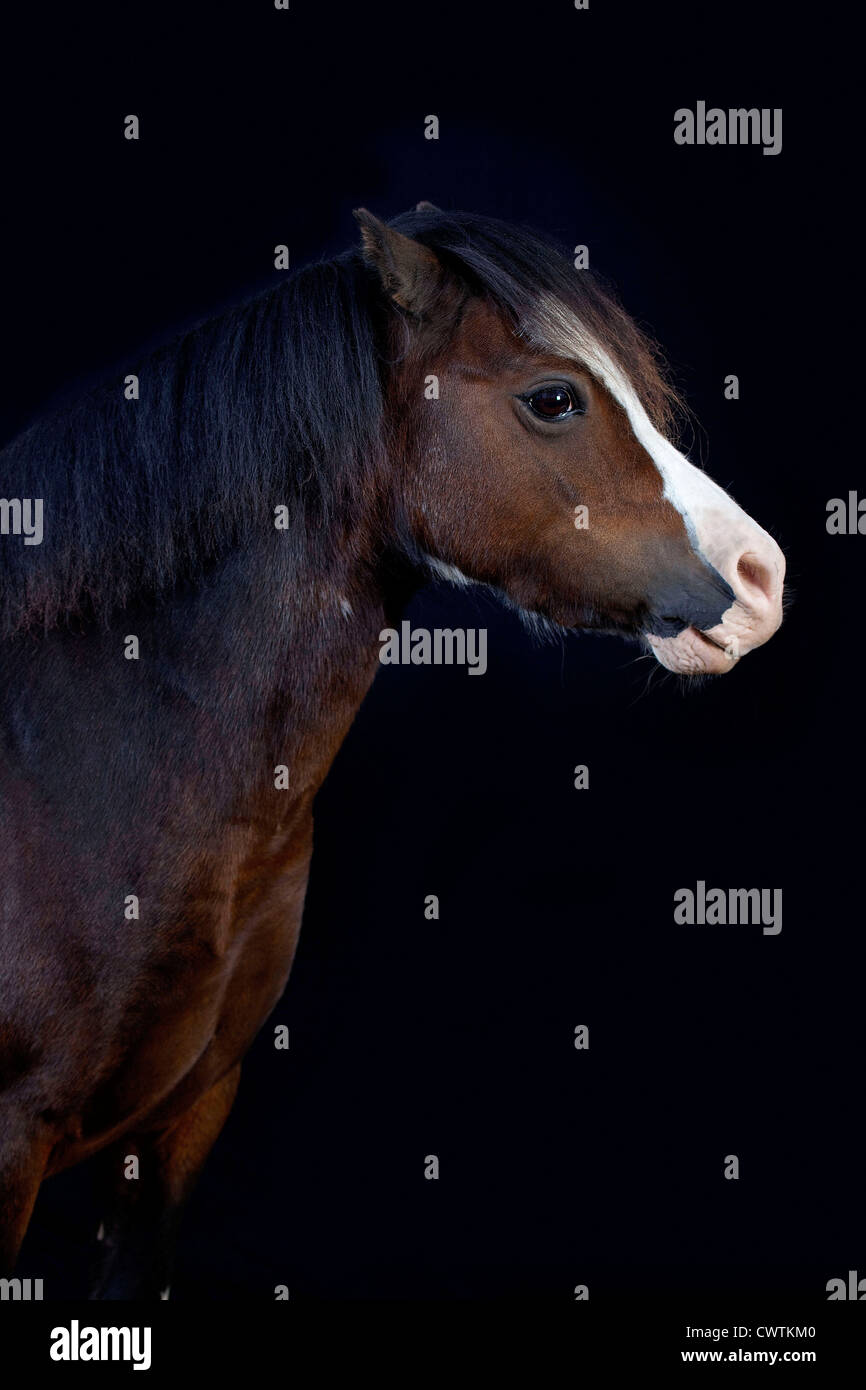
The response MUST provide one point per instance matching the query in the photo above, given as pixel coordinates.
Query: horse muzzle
(754, 580)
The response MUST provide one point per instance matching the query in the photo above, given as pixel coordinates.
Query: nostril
(757, 574)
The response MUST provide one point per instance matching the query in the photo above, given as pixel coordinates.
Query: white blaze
(725, 536)
(718, 529)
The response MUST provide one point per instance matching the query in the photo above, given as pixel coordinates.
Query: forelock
(551, 304)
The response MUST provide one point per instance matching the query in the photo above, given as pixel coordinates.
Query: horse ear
(410, 273)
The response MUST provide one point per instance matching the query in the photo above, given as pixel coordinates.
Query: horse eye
(553, 403)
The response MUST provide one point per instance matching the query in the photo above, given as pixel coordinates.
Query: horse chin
(692, 653)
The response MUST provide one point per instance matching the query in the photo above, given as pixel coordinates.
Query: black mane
(277, 401)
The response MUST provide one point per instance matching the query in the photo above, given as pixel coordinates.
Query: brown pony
(228, 530)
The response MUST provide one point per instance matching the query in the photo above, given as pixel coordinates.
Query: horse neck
(297, 644)
(284, 644)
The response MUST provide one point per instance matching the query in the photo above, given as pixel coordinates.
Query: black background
(408, 1037)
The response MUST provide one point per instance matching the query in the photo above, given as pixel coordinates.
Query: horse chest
(219, 1004)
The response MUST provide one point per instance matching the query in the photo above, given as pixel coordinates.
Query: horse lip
(698, 632)
(685, 657)
(707, 638)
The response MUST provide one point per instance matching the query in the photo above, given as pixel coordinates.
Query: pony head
(534, 427)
